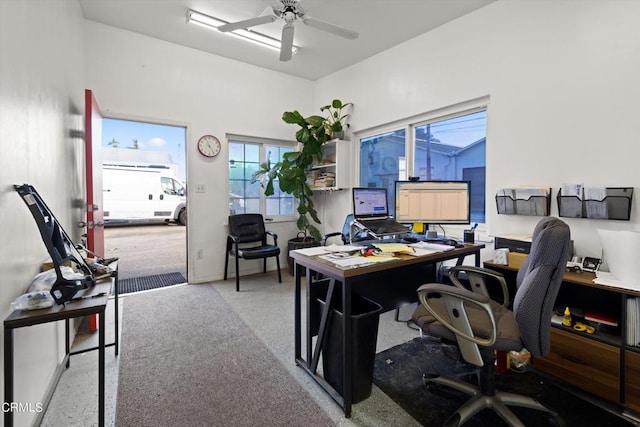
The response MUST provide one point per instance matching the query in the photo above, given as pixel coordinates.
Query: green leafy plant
(291, 172)
(336, 120)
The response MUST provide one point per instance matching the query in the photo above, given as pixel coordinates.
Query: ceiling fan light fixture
(213, 23)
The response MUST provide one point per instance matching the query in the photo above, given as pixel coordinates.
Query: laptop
(371, 210)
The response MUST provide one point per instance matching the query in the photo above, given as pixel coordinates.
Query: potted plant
(291, 173)
(336, 120)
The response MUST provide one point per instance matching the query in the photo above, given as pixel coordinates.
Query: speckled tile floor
(267, 308)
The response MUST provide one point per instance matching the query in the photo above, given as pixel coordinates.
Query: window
(171, 186)
(245, 156)
(454, 149)
(447, 145)
(382, 162)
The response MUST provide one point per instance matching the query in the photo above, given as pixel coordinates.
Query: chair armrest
(477, 277)
(231, 241)
(454, 299)
(274, 235)
(326, 236)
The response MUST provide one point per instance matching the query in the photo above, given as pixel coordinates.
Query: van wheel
(182, 217)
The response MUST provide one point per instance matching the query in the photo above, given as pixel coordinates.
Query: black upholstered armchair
(480, 325)
(243, 230)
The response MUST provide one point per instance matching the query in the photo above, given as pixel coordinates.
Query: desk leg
(297, 314)
(115, 310)
(101, 387)
(67, 343)
(346, 345)
(322, 331)
(8, 375)
(476, 254)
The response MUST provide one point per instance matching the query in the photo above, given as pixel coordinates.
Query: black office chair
(345, 234)
(249, 228)
(481, 326)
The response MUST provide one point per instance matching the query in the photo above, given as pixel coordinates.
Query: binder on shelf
(524, 201)
(633, 321)
(596, 203)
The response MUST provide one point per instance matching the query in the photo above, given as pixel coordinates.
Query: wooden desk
(388, 276)
(603, 363)
(73, 309)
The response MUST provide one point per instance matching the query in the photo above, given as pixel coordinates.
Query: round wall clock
(209, 146)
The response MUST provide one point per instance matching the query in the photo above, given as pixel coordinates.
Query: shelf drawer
(584, 363)
(632, 380)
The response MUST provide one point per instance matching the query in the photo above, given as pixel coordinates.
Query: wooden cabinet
(585, 363)
(632, 380)
(334, 171)
(602, 363)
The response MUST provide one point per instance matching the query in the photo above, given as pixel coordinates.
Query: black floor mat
(398, 373)
(137, 284)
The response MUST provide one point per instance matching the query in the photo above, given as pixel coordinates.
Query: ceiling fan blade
(243, 25)
(286, 45)
(330, 28)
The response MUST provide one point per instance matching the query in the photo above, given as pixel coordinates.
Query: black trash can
(365, 317)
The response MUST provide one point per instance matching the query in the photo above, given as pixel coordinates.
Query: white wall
(136, 76)
(562, 78)
(41, 102)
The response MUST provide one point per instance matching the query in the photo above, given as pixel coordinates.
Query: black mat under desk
(398, 372)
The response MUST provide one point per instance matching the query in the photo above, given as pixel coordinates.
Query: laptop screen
(370, 202)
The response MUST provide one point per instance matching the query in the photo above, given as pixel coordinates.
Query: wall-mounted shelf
(333, 172)
(524, 201)
(608, 203)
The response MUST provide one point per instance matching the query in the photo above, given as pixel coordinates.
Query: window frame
(263, 143)
(409, 125)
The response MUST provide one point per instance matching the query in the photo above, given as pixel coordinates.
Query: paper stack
(324, 180)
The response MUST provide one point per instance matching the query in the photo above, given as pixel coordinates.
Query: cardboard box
(516, 259)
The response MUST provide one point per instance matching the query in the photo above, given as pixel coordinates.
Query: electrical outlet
(199, 254)
(199, 188)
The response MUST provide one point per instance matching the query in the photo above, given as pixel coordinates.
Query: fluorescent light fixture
(213, 23)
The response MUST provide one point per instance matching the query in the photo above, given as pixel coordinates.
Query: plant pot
(337, 135)
(299, 242)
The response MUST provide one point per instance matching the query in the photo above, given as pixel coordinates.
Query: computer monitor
(370, 202)
(433, 202)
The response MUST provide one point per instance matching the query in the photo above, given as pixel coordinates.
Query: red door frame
(93, 164)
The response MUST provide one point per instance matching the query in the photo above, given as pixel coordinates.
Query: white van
(142, 193)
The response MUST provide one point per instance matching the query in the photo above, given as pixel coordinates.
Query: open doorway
(144, 198)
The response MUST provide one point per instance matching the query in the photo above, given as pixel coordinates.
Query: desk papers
(396, 248)
(356, 261)
(323, 250)
(342, 248)
(608, 279)
(422, 252)
(315, 250)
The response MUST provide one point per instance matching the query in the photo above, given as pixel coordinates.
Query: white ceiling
(381, 24)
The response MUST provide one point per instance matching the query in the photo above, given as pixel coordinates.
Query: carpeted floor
(137, 284)
(398, 372)
(187, 357)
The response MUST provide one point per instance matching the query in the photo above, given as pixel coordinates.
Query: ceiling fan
(289, 11)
